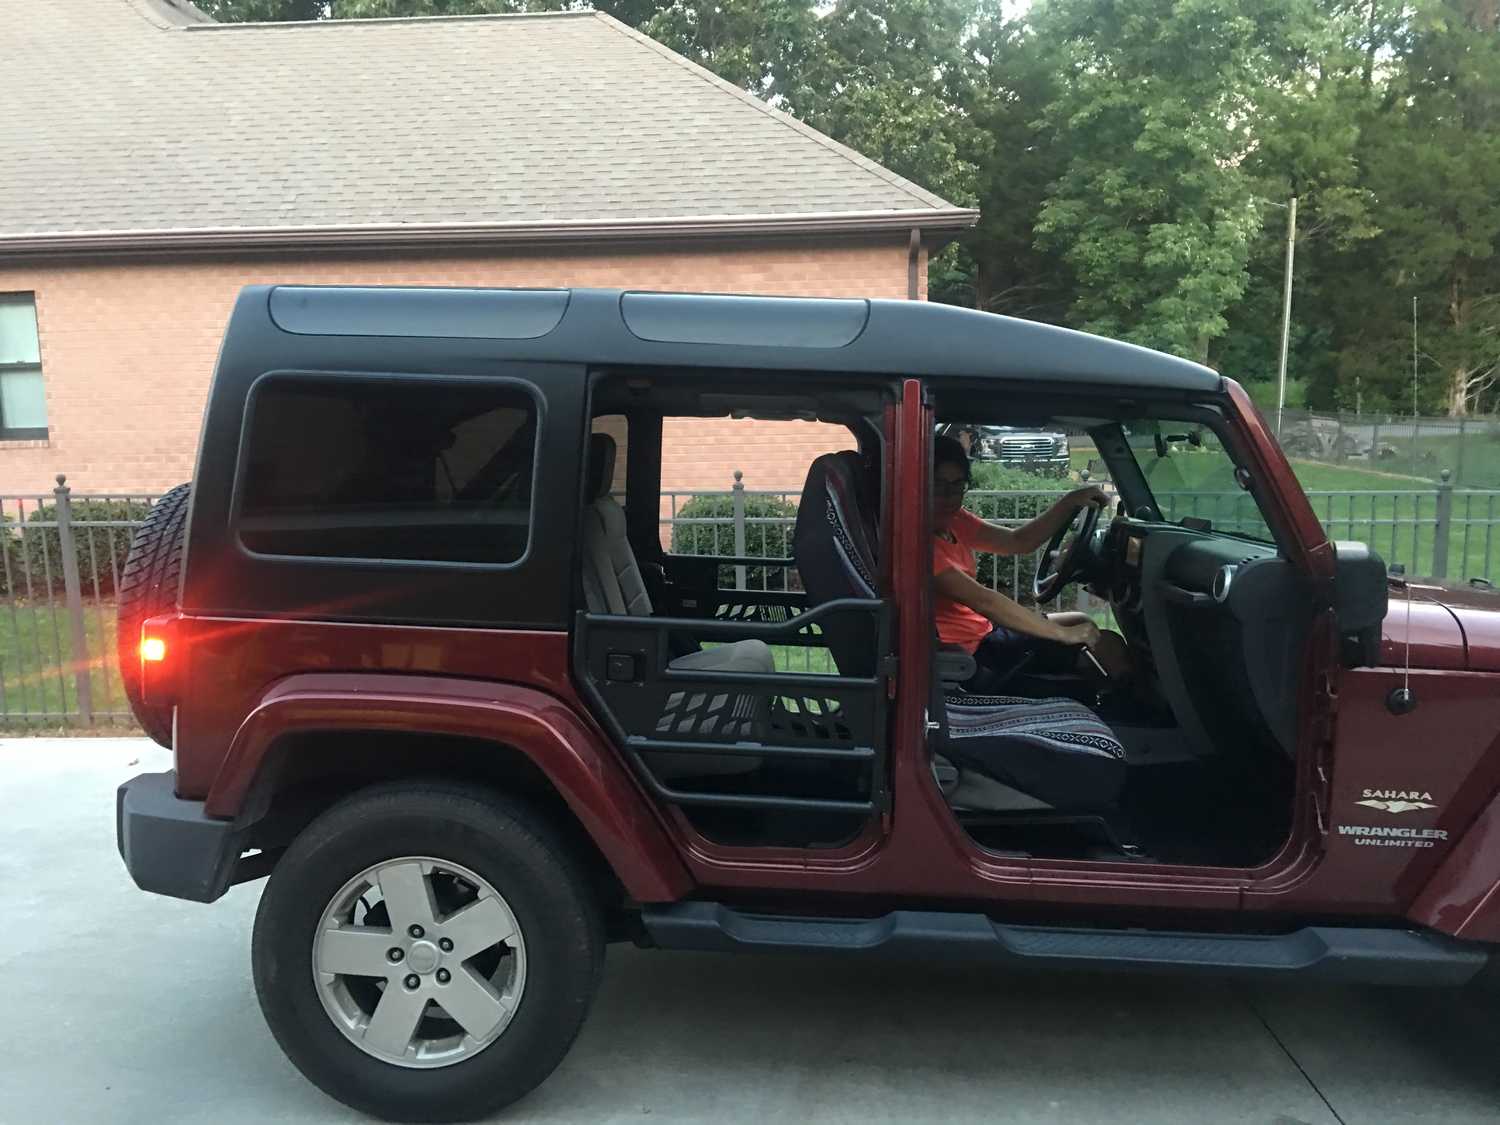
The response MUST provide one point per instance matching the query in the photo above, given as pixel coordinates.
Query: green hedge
(989, 477)
(762, 540)
(37, 551)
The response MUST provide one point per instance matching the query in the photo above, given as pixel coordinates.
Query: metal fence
(758, 524)
(1442, 532)
(60, 560)
(1468, 448)
(61, 555)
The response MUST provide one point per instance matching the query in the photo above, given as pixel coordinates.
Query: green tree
(1433, 167)
(1013, 76)
(633, 12)
(885, 77)
(1309, 124)
(760, 45)
(1155, 212)
(263, 11)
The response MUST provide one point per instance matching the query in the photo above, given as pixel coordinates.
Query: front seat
(1011, 753)
(612, 584)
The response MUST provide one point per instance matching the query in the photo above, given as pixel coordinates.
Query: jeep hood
(1452, 626)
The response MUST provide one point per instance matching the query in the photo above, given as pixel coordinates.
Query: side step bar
(1381, 956)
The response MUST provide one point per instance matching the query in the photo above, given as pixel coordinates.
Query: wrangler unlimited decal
(1387, 837)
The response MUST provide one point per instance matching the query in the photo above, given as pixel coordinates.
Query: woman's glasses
(950, 488)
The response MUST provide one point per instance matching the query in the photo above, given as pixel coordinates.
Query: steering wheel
(1053, 573)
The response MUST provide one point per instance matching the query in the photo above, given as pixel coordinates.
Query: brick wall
(128, 347)
(703, 453)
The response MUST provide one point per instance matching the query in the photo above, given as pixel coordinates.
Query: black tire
(1488, 980)
(148, 588)
(501, 840)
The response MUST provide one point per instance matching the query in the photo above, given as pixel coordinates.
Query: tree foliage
(1132, 159)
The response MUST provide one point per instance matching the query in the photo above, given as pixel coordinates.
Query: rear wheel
(427, 954)
(148, 588)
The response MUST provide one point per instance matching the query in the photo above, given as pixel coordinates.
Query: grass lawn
(792, 658)
(1474, 459)
(1318, 477)
(37, 680)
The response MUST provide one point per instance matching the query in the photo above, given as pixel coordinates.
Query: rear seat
(612, 583)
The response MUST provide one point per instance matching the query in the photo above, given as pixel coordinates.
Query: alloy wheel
(419, 962)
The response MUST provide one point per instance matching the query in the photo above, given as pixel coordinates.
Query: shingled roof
(134, 124)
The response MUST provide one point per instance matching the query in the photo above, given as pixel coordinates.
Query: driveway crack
(1287, 1051)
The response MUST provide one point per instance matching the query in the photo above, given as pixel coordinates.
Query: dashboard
(1201, 562)
(1214, 617)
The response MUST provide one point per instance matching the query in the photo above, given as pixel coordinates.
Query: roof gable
(132, 116)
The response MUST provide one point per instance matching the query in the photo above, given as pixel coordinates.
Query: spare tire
(148, 588)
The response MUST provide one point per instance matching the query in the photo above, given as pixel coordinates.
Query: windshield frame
(1129, 477)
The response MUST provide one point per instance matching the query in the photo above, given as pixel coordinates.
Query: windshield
(1192, 476)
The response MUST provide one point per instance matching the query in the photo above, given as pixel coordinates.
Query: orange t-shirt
(957, 624)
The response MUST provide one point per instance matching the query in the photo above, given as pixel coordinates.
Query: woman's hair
(950, 451)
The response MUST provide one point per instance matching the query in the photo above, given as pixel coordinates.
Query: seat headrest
(601, 465)
(834, 544)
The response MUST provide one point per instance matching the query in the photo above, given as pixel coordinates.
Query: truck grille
(1031, 445)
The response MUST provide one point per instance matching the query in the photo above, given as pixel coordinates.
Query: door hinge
(887, 668)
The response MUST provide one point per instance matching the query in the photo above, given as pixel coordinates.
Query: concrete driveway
(122, 1007)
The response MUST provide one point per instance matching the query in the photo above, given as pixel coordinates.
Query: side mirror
(1361, 596)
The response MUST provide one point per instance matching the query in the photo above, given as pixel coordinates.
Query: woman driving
(1000, 634)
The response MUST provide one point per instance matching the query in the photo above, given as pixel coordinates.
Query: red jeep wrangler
(422, 659)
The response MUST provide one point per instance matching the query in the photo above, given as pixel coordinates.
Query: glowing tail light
(161, 660)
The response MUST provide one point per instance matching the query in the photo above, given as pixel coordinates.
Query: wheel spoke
(395, 1020)
(472, 1003)
(408, 895)
(357, 951)
(477, 927)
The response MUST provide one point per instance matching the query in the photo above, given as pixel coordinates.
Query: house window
(23, 398)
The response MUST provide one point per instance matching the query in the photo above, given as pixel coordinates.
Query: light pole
(1286, 310)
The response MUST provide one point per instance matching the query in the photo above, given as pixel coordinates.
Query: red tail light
(161, 660)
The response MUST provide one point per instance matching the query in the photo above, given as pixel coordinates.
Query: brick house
(157, 161)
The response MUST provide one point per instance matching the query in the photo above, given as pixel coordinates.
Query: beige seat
(612, 583)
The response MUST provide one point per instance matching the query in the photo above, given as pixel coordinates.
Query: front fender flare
(586, 772)
(1463, 896)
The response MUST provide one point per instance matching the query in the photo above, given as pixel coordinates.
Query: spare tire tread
(148, 587)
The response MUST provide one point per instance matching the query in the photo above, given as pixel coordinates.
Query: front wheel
(427, 953)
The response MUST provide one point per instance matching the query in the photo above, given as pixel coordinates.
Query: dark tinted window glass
(435, 470)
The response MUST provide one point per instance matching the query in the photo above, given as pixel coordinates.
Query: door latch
(620, 667)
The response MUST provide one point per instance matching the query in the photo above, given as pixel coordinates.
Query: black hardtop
(544, 343)
(676, 330)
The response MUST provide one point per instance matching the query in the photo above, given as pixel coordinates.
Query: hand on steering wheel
(1052, 573)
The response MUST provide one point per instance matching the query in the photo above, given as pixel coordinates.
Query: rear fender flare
(586, 773)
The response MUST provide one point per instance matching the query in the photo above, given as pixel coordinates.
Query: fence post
(1458, 467)
(73, 597)
(1444, 525)
(739, 527)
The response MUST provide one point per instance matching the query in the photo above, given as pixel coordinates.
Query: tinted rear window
(436, 470)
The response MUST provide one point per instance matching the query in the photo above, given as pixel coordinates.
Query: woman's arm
(957, 586)
(1030, 536)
